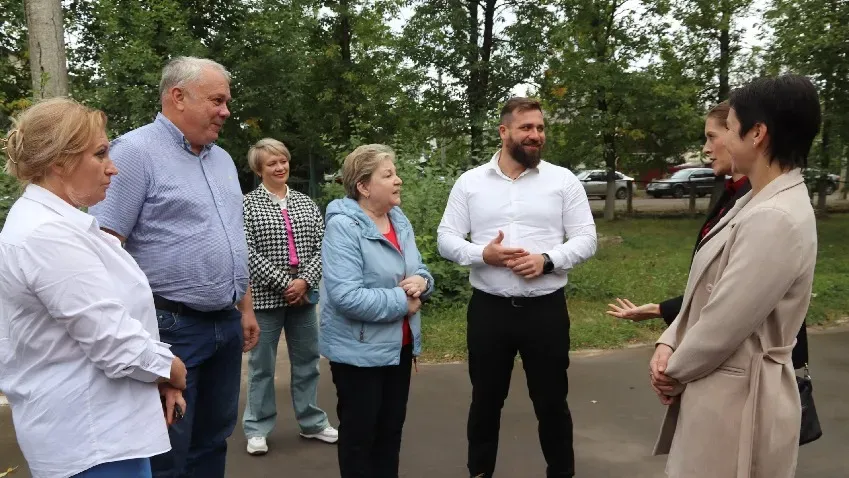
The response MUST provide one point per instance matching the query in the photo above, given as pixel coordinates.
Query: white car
(595, 183)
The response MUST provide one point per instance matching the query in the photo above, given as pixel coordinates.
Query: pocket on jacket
(358, 330)
(729, 370)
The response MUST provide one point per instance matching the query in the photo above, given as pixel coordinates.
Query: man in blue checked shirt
(177, 207)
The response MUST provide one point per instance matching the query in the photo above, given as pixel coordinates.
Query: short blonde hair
(52, 132)
(361, 164)
(266, 146)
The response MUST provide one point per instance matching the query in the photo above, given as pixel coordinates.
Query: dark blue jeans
(135, 468)
(211, 347)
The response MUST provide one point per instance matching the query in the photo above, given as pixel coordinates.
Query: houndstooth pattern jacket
(268, 246)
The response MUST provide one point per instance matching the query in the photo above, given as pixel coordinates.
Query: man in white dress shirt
(517, 211)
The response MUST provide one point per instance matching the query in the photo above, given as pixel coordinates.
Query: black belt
(179, 308)
(520, 301)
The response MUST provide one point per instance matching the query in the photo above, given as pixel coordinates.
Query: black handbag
(810, 430)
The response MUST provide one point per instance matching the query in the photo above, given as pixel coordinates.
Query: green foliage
(823, 56)
(14, 62)
(646, 260)
(604, 110)
(9, 191)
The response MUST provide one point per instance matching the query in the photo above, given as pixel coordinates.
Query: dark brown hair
(518, 104)
(720, 112)
(789, 107)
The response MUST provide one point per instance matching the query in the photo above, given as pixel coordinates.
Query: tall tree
(824, 57)
(15, 84)
(474, 58)
(711, 39)
(46, 32)
(590, 82)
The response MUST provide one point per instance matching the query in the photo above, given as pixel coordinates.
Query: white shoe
(257, 446)
(328, 435)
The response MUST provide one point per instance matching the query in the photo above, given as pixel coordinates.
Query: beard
(527, 158)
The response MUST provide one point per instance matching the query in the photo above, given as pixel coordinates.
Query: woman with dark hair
(735, 188)
(724, 364)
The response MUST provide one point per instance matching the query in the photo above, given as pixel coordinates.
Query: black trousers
(538, 329)
(371, 406)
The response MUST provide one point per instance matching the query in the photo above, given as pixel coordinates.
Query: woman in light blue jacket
(374, 284)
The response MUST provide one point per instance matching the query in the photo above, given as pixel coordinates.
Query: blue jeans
(136, 468)
(301, 328)
(211, 347)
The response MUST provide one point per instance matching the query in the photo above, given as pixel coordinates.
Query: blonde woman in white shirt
(80, 359)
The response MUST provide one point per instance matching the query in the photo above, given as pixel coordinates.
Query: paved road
(651, 205)
(616, 420)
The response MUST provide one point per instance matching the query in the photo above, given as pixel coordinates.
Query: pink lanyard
(293, 254)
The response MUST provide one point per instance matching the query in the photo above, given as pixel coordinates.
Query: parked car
(595, 183)
(812, 177)
(678, 185)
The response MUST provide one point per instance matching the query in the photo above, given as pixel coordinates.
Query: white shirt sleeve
(455, 226)
(578, 226)
(63, 269)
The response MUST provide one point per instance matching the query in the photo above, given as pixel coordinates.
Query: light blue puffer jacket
(362, 306)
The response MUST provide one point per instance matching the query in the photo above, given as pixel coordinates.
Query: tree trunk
(480, 53)
(602, 27)
(724, 51)
(826, 153)
(344, 40)
(844, 179)
(473, 93)
(724, 86)
(608, 138)
(47, 48)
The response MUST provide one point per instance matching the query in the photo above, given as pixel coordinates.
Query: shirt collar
(734, 186)
(46, 198)
(493, 165)
(178, 135)
(275, 197)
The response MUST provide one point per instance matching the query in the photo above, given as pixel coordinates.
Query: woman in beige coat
(724, 365)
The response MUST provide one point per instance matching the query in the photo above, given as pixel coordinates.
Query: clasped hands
(667, 388)
(520, 261)
(296, 292)
(414, 286)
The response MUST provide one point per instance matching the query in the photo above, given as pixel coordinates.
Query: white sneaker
(328, 435)
(257, 446)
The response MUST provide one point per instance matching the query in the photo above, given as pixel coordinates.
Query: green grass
(647, 260)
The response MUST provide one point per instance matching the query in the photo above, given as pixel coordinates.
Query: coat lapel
(737, 213)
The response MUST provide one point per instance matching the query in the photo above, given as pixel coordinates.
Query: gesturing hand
(628, 311)
(414, 285)
(497, 255)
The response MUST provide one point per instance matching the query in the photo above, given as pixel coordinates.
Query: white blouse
(79, 341)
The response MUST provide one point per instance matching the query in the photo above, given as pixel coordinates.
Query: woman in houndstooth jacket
(284, 230)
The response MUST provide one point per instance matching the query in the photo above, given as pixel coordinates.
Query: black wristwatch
(547, 266)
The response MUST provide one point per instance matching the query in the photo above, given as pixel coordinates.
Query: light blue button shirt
(181, 214)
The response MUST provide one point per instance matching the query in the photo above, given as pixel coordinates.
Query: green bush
(9, 191)
(423, 198)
